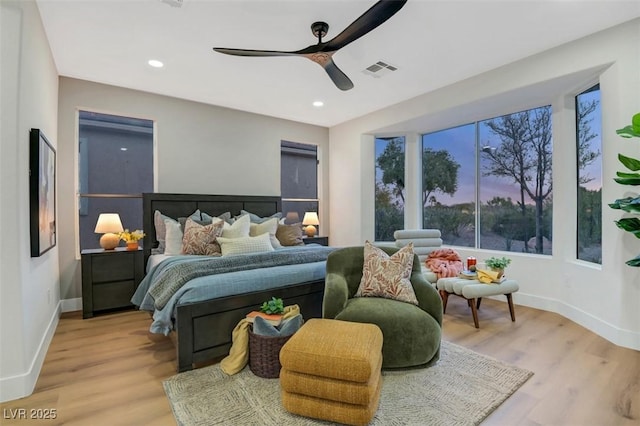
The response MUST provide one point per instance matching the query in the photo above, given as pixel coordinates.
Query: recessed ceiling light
(318, 104)
(155, 63)
(123, 149)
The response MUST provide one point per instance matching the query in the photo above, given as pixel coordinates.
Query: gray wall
(29, 297)
(199, 149)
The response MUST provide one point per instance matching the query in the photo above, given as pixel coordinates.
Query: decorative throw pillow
(201, 239)
(257, 219)
(270, 227)
(258, 244)
(239, 228)
(161, 230)
(387, 276)
(290, 235)
(173, 242)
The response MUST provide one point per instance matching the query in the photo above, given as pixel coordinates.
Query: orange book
(274, 319)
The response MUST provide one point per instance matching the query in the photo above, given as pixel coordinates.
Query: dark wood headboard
(182, 205)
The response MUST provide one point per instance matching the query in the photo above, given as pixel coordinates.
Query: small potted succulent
(497, 264)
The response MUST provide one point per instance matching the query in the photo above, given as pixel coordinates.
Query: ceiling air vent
(379, 69)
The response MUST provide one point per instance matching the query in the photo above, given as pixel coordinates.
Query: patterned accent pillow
(387, 276)
(290, 235)
(239, 228)
(201, 239)
(161, 229)
(270, 227)
(258, 244)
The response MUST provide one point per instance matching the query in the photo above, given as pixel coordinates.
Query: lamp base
(310, 230)
(109, 241)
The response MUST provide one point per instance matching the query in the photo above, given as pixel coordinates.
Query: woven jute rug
(463, 388)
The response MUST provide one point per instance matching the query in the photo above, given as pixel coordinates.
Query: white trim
(22, 385)
(71, 305)
(620, 337)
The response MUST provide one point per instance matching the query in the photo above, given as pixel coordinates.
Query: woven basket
(264, 354)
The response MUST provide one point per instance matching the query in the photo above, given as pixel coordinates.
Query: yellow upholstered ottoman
(331, 371)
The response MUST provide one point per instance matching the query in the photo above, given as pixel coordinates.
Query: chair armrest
(428, 298)
(336, 293)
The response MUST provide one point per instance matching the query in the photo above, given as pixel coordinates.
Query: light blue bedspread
(216, 286)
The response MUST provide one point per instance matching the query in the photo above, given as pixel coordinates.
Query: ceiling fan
(322, 52)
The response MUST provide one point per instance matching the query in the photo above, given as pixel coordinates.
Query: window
(589, 148)
(389, 196)
(298, 180)
(449, 182)
(502, 165)
(115, 164)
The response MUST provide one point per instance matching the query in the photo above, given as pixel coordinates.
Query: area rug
(463, 388)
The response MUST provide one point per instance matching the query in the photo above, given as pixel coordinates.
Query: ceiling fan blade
(248, 52)
(339, 78)
(372, 18)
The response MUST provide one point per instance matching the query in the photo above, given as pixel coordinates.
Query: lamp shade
(310, 221)
(310, 218)
(292, 217)
(108, 222)
(110, 226)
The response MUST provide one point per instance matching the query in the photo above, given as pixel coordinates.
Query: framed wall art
(42, 193)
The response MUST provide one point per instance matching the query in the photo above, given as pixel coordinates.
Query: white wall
(199, 149)
(604, 299)
(29, 287)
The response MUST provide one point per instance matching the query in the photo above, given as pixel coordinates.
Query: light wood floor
(109, 370)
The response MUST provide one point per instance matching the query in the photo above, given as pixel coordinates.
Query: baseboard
(621, 337)
(71, 305)
(22, 385)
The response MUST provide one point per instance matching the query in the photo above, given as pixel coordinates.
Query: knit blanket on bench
(174, 277)
(445, 263)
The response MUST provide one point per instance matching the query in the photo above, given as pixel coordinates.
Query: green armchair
(411, 334)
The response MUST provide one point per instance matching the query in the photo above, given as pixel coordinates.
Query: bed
(203, 328)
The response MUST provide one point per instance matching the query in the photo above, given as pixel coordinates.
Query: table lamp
(109, 224)
(309, 221)
(292, 217)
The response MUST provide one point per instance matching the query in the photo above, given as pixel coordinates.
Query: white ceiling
(434, 43)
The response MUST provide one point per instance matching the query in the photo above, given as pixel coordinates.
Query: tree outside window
(389, 187)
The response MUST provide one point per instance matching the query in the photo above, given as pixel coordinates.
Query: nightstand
(109, 279)
(323, 241)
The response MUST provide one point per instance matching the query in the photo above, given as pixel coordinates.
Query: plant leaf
(632, 164)
(627, 175)
(631, 205)
(630, 224)
(634, 262)
(628, 181)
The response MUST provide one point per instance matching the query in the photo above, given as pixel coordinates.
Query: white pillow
(173, 241)
(267, 227)
(258, 244)
(239, 228)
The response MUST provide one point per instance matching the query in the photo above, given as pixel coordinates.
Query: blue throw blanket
(172, 278)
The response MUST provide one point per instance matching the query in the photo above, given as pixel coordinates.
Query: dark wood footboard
(204, 328)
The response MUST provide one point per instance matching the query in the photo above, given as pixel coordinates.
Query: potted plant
(132, 238)
(629, 204)
(497, 264)
(271, 310)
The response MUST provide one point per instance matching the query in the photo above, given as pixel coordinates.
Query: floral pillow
(201, 239)
(387, 276)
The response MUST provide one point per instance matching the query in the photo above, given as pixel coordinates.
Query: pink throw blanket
(445, 263)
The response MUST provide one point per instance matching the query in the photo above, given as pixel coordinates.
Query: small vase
(132, 246)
